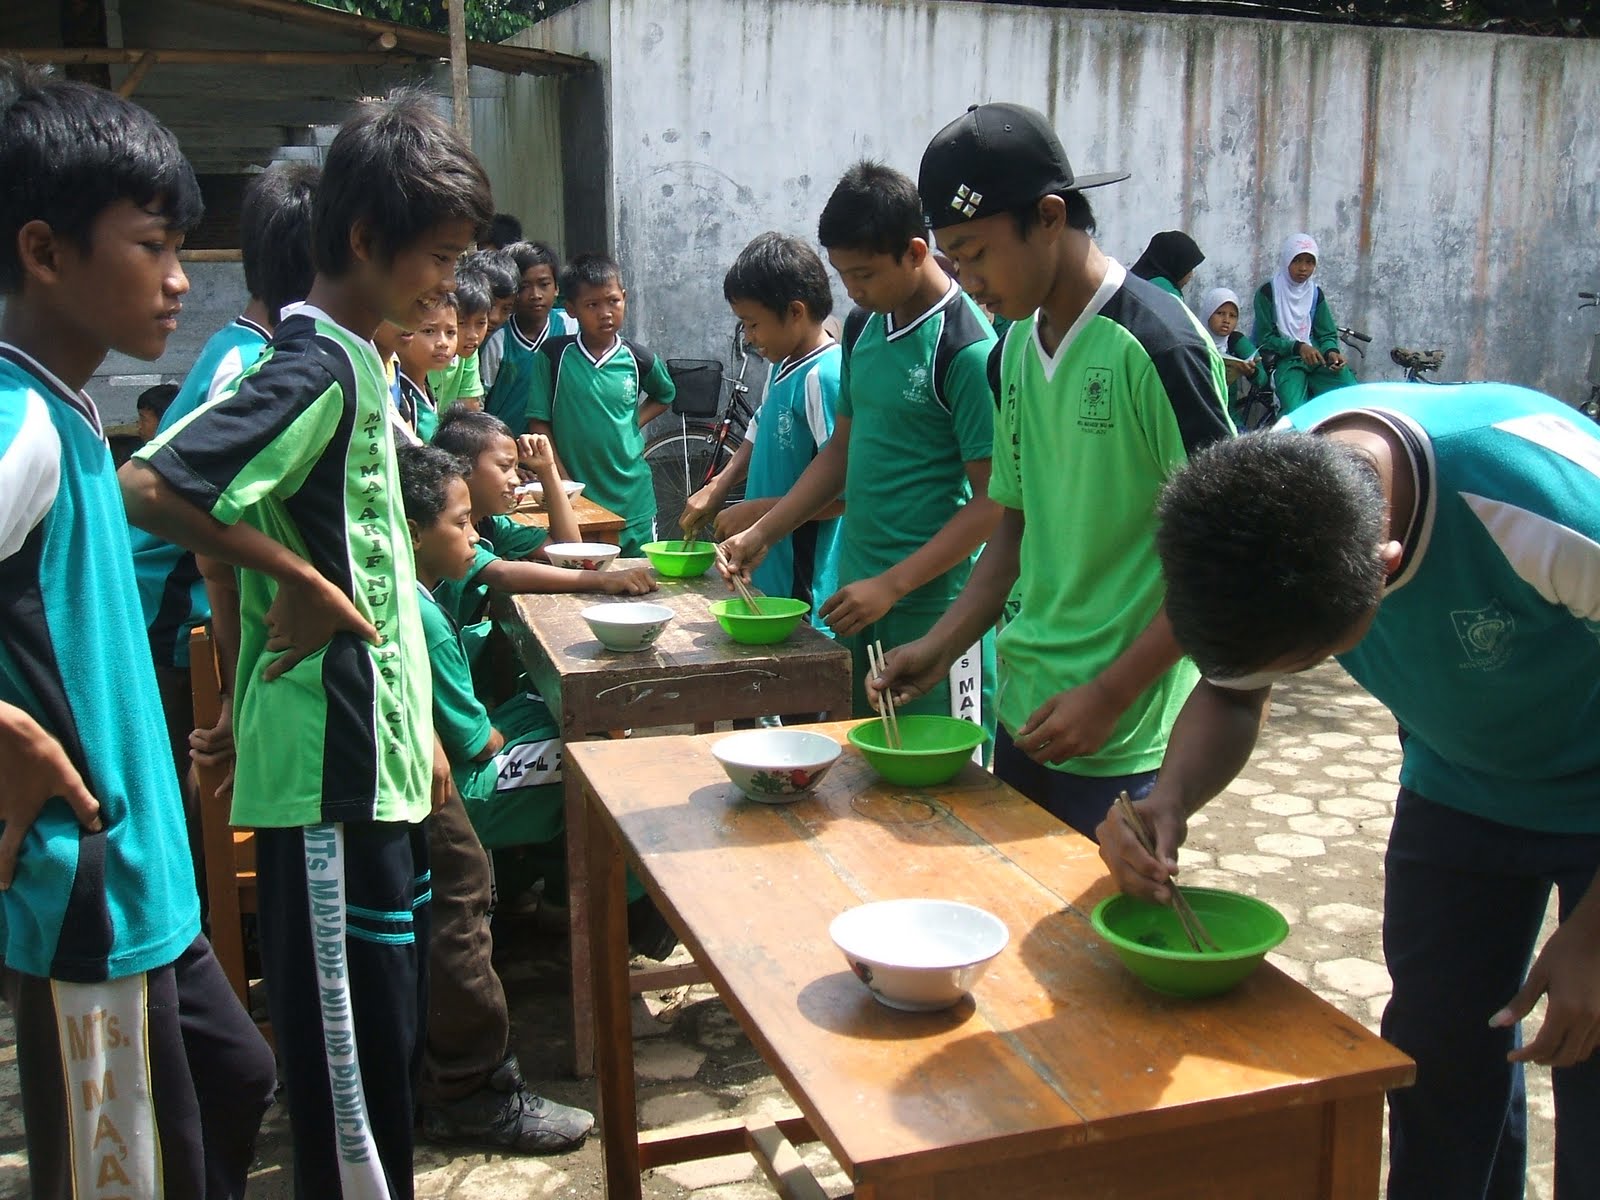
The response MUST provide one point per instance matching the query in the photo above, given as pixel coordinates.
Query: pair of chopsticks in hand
(739, 585)
(886, 713)
(1192, 928)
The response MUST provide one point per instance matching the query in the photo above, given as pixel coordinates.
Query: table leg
(1352, 1167)
(607, 951)
(578, 923)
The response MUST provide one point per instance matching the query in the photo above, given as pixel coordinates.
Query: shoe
(507, 1077)
(649, 935)
(517, 1121)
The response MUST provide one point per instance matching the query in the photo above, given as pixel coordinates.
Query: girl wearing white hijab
(1219, 313)
(1294, 322)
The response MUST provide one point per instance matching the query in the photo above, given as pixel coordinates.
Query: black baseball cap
(994, 158)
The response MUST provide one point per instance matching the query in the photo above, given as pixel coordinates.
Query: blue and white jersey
(1486, 646)
(84, 906)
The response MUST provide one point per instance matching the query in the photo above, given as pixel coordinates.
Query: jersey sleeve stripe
(1559, 436)
(1561, 564)
(30, 475)
(816, 413)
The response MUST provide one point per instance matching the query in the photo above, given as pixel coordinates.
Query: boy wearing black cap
(1102, 393)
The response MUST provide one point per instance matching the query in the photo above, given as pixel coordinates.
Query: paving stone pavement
(1304, 827)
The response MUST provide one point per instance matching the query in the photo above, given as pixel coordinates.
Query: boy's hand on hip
(1136, 872)
(855, 606)
(1568, 972)
(35, 769)
(1070, 724)
(304, 618)
(909, 671)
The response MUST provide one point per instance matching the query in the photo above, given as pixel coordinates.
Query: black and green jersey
(515, 360)
(303, 451)
(920, 408)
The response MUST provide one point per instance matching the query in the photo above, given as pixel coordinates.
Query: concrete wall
(1449, 177)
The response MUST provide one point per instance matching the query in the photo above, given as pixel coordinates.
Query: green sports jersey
(459, 718)
(591, 403)
(1088, 436)
(512, 539)
(920, 408)
(515, 355)
(458, 381)
(303, 450)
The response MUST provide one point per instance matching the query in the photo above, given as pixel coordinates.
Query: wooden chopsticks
(886, 713)
(1193, 929)
(739, 586)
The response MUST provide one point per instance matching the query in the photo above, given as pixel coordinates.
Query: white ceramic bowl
(581, 556)
(535, 490)
(627, 626)
(774, 766)
(918, 955)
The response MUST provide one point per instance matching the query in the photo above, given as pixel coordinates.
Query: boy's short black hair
(399, 167)
(498, 269)
(68, 151)
(157, 399)
(425, 475)
(1080, 214)
(468, 432)
(775, 270)
(874, 209)
(275, 234)
(1269, 544)
(503, 230)
(589, 270)
(534, 254)
(472, 293)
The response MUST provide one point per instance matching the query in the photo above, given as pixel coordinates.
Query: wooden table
(595, 524)
(694, 675)
(1062, 1077)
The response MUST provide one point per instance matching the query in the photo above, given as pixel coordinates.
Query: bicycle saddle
(1417, 360)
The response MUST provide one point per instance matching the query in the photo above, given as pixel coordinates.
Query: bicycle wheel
(679, 463)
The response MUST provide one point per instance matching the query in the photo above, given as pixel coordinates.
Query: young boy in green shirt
(1102, 393)
(592, 395)
(459, 381)
(911, 444)
(534, 320)
(292, 479)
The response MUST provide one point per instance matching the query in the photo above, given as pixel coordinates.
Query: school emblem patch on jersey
(1485, 634)
(1094, 402)
(917, 390)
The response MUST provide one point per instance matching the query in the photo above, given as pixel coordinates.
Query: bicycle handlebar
(1587, 296)
(1357, 334)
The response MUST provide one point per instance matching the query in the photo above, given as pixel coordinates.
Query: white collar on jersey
(891, 333)
(1115, 274)
(603, 359)
(78, 401)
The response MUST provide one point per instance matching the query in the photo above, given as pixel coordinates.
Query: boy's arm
(214, 746)
(537, 453)
(656, 389)
(36, 770)
(542, 429)
(523, 578)
(471, 385)
(819, 485)
(701, 506)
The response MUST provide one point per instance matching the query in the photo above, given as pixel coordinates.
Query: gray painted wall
(1449, 177)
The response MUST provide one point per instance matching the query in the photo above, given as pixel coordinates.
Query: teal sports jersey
(794, 422)
(920, 408)
(592, 406)
(1088, 436)
(171, 592)
(303, 449)
(416, 407)
(511, 394)
(459, 718)
(83, 907)
(1486, 646)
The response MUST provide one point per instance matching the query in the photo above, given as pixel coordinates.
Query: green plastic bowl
(680, 560)
(932, 748)
(1149, 939)
(776, 621)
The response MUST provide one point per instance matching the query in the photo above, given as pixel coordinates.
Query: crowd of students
(1056, 530)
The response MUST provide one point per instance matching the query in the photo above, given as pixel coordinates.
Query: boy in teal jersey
(1444, 544)
(592, 393)
(460, 382)
(1101, 393)
(175, 591)
(501, 273)
(778, 288)
(910, 448)
(507, 786)
(141, 1073)
(291, 478)
(534, 319)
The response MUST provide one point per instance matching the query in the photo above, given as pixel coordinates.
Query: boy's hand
(1310, 355)
(698, 509)
(1069, 724)
(443, 782)
(739, 554)
(35, 769)
(214, 747)
(535, 452)
(1568, 971)
(910, 671)
(629, 581)
(304, 618)
(853, 607)
(1135, 872)
(736, 518)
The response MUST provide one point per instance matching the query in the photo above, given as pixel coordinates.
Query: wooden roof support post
(458, 70)
(136, 76)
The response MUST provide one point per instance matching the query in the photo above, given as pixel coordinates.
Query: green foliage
(487, 20)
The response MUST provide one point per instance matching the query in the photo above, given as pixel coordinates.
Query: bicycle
(1417, 364)
(684, 461)
(1591, 407)
(1261, 409)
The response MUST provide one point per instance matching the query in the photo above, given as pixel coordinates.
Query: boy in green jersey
(534, 320)
(459, 382)
(910, 448)
(1102, 393)
(292, 478)
(593, 392)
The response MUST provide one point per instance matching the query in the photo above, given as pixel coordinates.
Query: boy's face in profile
(149, 423)
(445, 549)
(494, 479)
(122, 289)
(599, 309)
(773, 335)
(537, 295)
(876, 281)
(470, 332)
(415, 280)
(1003, 271)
